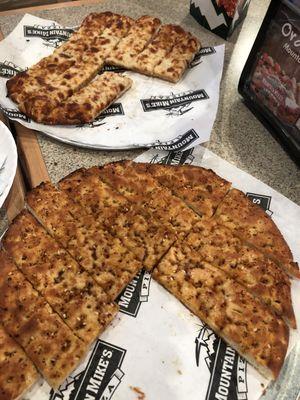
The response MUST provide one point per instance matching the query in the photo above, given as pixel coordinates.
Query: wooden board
(34, 169)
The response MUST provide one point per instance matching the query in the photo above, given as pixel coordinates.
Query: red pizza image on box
(278, 91)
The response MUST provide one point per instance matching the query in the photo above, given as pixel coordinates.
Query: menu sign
(270, 81)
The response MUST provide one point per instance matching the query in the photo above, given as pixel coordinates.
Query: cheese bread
(103, 255)
(252, 224)
(86, 104)
(217, 245)
(200, 188)
(28, 318)
(227, 307)
(69, 289)
(17, 373)
(139, 36)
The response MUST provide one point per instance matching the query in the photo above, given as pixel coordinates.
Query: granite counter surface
(237, 135)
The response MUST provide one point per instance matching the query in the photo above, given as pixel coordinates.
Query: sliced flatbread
(133, 225)
(252, 224)
(138, 37)
(83, 42)
(40, 104)
(17, 373)
(86, 104)
(146, 192)
(69, 289)
(104, 256)
(202, 189)
(46, 339)
(227, 307)
(172, 67)
(158, 48)
(217, 245)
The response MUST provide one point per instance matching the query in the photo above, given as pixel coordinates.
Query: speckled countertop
(237, 135)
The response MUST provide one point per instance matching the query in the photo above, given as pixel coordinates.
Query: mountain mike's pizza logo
(52, 35)
(261, 200)
(100, 378)
(135, 293)
(174, 158)
(111, 111)
(175, 104)
(228, 371)
(9, 69)
(179, 143)
(14, 114)
(204, 51)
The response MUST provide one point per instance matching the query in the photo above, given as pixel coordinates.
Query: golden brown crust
(161, 44)
(139, 187)
(87, 103)
(138, 37)
(247, 324)
(116, 214)
(217, 245)
(17, 373)
(72, 293)
(252, 224)
(103, 255)
(48, 342)
(174, 64)
(202, 189)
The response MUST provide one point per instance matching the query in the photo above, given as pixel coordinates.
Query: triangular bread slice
(17, 373)
(134, 225)
(66, 286)
(142, 189)
(227, 307)
(202, 189)
(103, 255)
(252, 224)
(245, 264)
(28, 318)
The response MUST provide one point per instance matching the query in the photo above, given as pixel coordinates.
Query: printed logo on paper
(100, 378)
(228, 371)
(8, 69)
(14, 114)
(204, 51)
(262, 200)
(112, 68)
(174, 158)
(111, 111)
(175, 104)
(135, 293)
(179, 143)
(52, 35)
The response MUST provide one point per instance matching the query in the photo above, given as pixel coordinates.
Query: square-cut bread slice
(84, 43)
(218, 245)
(202, 189)
(66, 286)
(85, 104)
(133, 225)
(174, 64)
(227, 307)
(141, 188)
(161, 44)
(252, 224)
(103, 255)
(27, 317)
(17, 373)
(139, 35)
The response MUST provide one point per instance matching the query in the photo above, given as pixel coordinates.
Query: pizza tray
(156, 349)
(153, 113)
